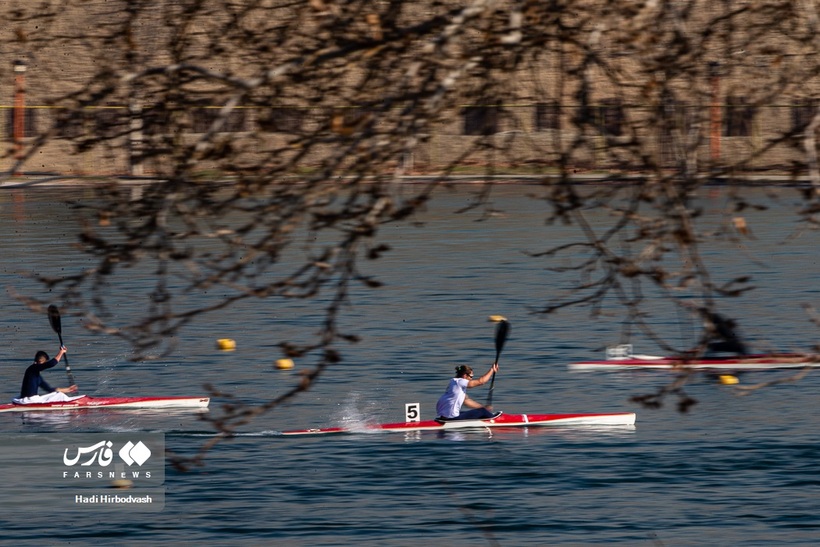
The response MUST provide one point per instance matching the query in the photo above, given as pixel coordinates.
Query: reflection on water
(103, 419)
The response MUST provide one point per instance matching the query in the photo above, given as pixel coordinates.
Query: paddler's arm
(60, 353)
(44, 386)
(480, 381)
(51, 362)
(472, 404)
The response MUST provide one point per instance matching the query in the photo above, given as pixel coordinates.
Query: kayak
(504, 420)
(622, 358)
(84, 402)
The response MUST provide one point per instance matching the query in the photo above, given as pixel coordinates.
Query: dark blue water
(736, 470)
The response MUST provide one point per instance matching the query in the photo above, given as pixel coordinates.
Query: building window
(156, 120)
(480, 120)
(738, 118)
(29, 122)
(547, 116)
(70, 124)
(803, 111)
(350, 120)
(610, 117)
(100, 122)
(281, 120)
(204, 117)
(109, 121)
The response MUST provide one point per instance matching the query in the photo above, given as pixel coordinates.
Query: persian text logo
(102, 453)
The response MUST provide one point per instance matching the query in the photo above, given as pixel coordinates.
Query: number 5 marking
(412, 412)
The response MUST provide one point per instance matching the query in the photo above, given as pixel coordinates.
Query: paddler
(449, 405)
(721, 334)
(33, 381)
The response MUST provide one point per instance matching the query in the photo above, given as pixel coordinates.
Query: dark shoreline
(49, 180)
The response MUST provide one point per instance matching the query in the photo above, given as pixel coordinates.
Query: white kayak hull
(86, 402)
(502, 421)
(727, 364)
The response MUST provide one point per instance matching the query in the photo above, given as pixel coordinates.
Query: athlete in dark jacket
(33, 381)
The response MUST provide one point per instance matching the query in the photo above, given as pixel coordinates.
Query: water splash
(358, 416)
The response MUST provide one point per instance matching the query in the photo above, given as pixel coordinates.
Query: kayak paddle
(501, 332)
(54, 320)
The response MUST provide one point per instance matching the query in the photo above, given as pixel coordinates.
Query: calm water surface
(734, 471)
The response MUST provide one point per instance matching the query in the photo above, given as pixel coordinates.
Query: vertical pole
(19, 113)
(715, 126)
(135, 165)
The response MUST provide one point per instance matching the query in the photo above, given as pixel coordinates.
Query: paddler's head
(463, 371)
(40, 357)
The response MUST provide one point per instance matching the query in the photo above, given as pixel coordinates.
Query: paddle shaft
(67, 366)
(501, 332)
(56, 324)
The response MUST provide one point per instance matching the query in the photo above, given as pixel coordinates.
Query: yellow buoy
(284, 364)
(728, 379)
(497, 318)
(226, 344)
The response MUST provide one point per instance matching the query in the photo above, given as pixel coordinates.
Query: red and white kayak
(504, 420)
(85, 402)
(622, 358)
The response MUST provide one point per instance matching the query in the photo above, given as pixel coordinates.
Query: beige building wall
(532, 122)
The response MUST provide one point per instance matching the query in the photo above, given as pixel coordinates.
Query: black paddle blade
(502, 330)
(56, 324)
(54, 319)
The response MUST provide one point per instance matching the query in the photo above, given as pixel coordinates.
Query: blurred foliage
(351, 89)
